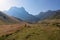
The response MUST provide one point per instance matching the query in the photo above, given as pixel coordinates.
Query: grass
(37, 31)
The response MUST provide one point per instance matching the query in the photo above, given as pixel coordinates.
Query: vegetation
(39, 31)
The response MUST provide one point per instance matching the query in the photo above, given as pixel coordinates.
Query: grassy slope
(46, 30)
(6, 19)
(8, 22)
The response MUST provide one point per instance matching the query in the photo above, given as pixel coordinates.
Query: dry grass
(48, 30)
(8, 29)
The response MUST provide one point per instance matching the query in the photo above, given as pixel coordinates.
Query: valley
(29, 19)
(21, 25)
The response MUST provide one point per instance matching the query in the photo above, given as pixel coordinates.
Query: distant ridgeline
(57, 15)
(49, 15)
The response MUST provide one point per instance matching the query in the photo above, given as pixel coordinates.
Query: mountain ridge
(49, 15)
(21, 13)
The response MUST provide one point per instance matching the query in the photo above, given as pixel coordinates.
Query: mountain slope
(49, 15)
(56, 15)
(22, 14)
(5, 19)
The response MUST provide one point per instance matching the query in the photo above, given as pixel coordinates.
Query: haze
(32, 6)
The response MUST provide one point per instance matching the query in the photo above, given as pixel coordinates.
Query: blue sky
(32, 6)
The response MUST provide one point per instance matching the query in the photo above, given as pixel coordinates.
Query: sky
(34, 7)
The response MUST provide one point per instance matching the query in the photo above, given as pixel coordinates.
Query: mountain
(5, 19)
(22, 14)
(56, 15)
(49, 15)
